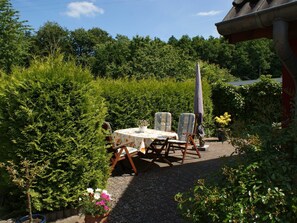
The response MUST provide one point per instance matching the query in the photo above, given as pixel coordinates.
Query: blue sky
(154, 18)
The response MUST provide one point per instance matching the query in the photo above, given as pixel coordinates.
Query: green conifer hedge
(53, 112)
(130, 100)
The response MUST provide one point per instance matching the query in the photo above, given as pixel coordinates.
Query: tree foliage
(254, 58)
(139, 58)
(49, 39)
(84, 42)
(144, 57)
(13, 42)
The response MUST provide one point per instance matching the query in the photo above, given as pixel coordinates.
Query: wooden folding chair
(159, 149)
(185, 136)
(119, 152)
(162, 122)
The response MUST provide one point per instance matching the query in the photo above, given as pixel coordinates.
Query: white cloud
(77, 9)
(209, 13)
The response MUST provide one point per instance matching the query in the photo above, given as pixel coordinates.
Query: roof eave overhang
(257, 24)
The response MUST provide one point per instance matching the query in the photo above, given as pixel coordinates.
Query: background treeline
(139, 57)
(143, 57)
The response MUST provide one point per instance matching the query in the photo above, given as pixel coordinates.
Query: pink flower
(101, 203)
(96, 200)
(105, 196)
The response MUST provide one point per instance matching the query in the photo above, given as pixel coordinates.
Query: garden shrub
(130, 100)
(253, 104)
(262, 101)
(260, 187)
(214, 73)
(226, 98)
(53, 112)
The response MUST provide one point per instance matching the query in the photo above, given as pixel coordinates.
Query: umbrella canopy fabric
(198, 99)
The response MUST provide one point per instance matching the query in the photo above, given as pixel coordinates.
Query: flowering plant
(223, 120)
(143, 122)
(96, 202)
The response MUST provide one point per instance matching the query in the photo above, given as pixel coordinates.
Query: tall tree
(83, 43)
(112, 58)
(172, 41)
(50, 38)
(140, 58)
(185, 43)
(13, 42)
(253, 58)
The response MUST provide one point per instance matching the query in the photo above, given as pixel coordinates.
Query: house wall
(288, 91)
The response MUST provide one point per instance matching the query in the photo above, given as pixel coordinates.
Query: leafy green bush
(262, 101)
(130, 100)
(226, 98)
(260, 187)
(254, 104)
(52, 112)
(214, 73)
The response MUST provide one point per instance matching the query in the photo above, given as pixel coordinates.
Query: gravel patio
(149, 197)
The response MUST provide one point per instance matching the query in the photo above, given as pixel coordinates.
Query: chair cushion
(163, 121)
(130, 150)
(185, 125)
(176, 141)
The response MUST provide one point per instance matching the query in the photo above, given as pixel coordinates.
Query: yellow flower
(223, 120)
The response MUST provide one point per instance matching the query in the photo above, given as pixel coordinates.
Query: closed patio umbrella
(198, 103)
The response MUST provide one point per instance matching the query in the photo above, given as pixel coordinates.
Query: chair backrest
(163, 121)
(185, 125)
(108, 133)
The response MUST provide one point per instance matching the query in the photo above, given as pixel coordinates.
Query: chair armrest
(189, 134)
(121, 145)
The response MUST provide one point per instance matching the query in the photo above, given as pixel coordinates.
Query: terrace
(148, 197)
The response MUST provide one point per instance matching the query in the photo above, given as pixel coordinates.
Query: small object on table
(142, 128)
(143, 124)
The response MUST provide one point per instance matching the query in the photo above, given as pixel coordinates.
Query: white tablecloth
(141, 140)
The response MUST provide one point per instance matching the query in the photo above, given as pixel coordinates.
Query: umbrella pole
(196, 124)
(199, 137)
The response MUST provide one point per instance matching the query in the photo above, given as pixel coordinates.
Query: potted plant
(143, 124)
(95, 205)
(222, 122)
(24, 177)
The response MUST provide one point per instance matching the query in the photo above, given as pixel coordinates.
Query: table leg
(158, 151)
